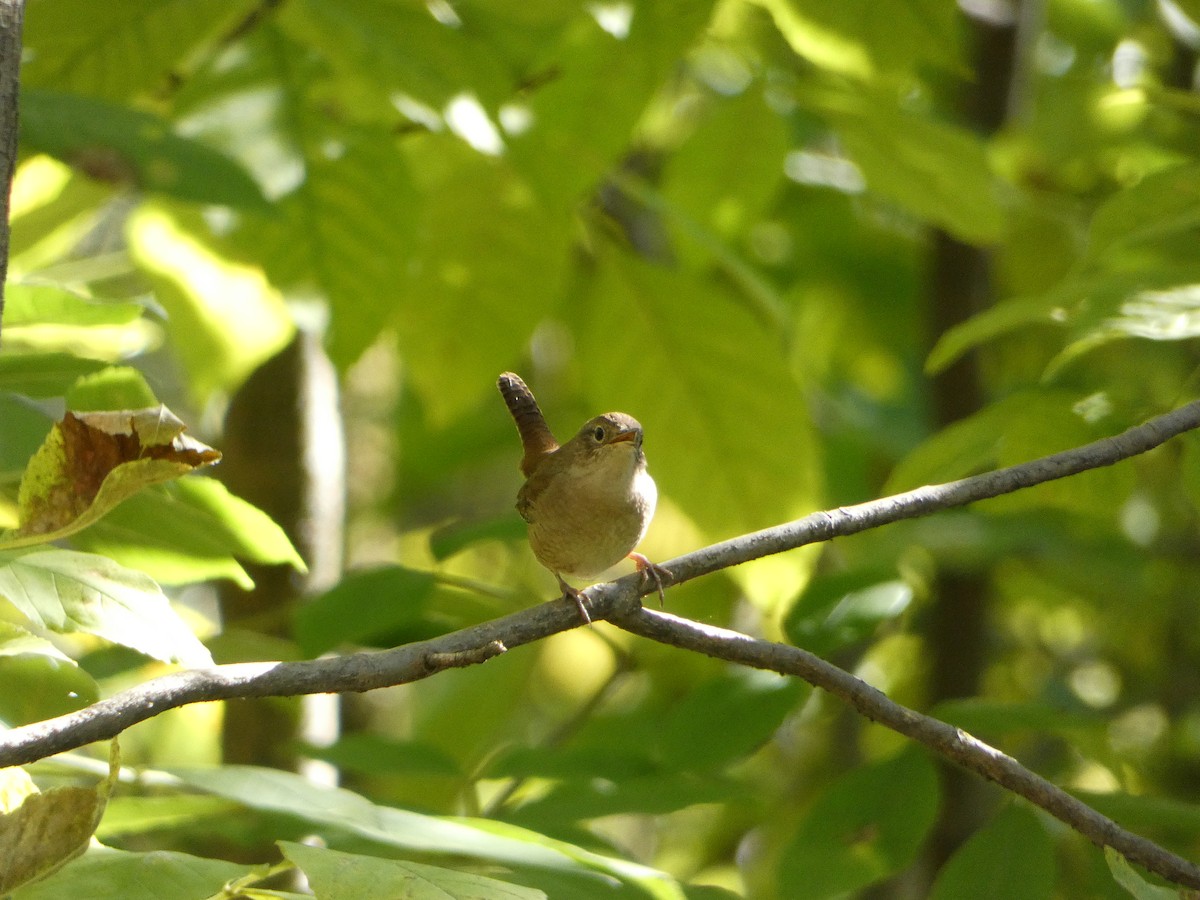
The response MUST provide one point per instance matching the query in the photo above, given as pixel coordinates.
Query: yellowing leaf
(47, 829)
(90, 462)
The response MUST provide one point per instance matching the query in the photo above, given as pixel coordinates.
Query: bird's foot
(570, 593)
(652, 573)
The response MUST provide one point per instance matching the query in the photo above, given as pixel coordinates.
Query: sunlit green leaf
(597, 86)
(66, 591)
(35, 304)
(405, 48)
(999, 320)
(490, 262)
(117, 387)
(863, 37)
(224, 319)
(1128, 877)
(713, 180)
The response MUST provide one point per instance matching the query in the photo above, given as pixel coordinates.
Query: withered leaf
(92, 461)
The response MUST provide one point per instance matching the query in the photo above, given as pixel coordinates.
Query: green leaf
(1129, 878)
(403, 48)
(373, 754)
(191, 530)
(66, 591)
(684, 345)
(454, 537)
(223, 319)
(936, 171)
(40, 304)
(1169, 314)
(117, 143)
(713, 179)
(672, 341)
(999, 320)
(283, 792)
(43, 374)
(868, 37)
(247, 531)
(1158, 303)
(489, 264)
(106, 874)
(25, 429)
(749, 705)
(1021, 427)
(117, 387)
(621, 754)
(1012, 856)
(349, 876)
(865, 826)
(583, 117)
(353, 217)
(361, 605)
(838, 610)
(127, 815)
(1161, 205)
(142, 41)
(40, 681)
(593, 798)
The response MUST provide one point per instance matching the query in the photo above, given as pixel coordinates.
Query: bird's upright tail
(536, 436)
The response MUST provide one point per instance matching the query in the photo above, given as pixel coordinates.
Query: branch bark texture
(12, 20)
(618, 601)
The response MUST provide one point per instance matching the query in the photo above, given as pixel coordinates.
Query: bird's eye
(598, 433)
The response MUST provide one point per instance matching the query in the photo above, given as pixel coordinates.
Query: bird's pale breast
(584, 525)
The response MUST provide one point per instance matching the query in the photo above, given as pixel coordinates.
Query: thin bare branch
(618, 601)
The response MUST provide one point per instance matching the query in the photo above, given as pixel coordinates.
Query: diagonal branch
(953, 743)
(618, 600)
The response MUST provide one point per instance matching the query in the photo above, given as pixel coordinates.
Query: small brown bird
(588, 503)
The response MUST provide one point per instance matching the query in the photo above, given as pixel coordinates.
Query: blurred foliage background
(822, 251)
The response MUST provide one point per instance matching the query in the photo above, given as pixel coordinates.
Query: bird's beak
(630, 435)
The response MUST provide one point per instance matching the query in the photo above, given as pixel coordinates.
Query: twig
(618, 600)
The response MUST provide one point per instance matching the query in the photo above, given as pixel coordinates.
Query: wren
(589, 501)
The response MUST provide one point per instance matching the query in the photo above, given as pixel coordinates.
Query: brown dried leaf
(92, 461)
